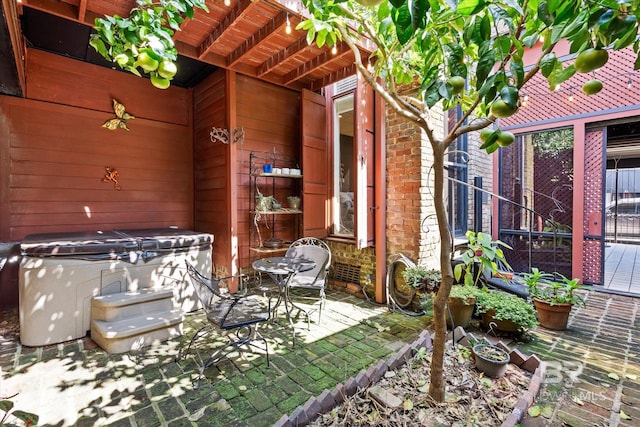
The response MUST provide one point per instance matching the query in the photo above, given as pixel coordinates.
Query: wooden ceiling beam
(334, 77)
(282, 55)
(320, 60)
(234, 14)
(276, 23)
(82, 10)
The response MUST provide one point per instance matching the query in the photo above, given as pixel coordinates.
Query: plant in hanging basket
(491, 360)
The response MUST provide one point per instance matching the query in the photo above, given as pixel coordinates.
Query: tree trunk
(437, 386)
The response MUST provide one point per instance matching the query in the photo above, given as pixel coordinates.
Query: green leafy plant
(10, 415)
(423, 278)
(143, 42)
(546, 287)
(464, 292)
(507, 307)
(482, 254)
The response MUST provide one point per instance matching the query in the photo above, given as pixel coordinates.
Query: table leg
(282, 280)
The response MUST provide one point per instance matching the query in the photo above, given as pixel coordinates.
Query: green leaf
(534, 411)
(547, 411)
(26, 417)
(613, 376)
(624, 416)
(407, 405)
(548, 64)
(470, 7)
(492, 148)
(6, 405)
(404, 26)
(419, 10)
(511, 96)
(561, 75)
(485, 65)
(517, 72)
(397, 3)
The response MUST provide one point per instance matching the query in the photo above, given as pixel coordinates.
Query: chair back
(315, 250)
(207, 289)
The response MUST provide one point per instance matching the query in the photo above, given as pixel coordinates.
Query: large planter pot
(461, 311)
(491, 360)
(501, 325)
(554, 316)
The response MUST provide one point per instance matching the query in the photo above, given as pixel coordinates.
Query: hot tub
(61, 272)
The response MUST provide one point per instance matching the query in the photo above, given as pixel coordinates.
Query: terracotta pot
(501, 325)
(554, 316)
(461, 311)
(491, 360)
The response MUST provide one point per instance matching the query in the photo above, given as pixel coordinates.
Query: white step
(136, 332)
(123, 305)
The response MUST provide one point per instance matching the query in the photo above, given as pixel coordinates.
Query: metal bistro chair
(313, 280)
(241, 314)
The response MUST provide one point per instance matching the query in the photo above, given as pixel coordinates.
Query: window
(353, 142)
(343, 167)
(458, 194)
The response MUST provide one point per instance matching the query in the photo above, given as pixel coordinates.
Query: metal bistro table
(281, 269)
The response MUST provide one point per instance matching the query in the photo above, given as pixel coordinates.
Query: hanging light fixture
(334, 49)
(227, 3)
(287, 29)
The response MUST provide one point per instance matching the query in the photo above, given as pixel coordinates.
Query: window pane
(537, 176)
(343, 168)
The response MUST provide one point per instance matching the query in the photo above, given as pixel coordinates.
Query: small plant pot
(491, 360)
(554, 316)
(461, 311)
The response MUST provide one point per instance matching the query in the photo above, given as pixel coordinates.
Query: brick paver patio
(593, 371)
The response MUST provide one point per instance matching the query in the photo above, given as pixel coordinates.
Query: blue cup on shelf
(267, 168)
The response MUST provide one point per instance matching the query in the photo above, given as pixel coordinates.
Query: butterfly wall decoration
(120, 121)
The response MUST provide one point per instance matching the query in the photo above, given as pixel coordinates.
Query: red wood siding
(57, 152)
(211, 166)
(270, 116)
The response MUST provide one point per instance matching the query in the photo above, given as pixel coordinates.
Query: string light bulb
(287, 29)
(629, 82)
(369, 65)
(571, 96)
(334, 49)
(227, 3)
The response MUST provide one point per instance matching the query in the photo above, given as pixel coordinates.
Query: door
(315, 166)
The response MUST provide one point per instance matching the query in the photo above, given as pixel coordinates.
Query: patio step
(131, 320)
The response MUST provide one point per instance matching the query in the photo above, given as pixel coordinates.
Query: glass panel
(536, 175)
(622, 203)
(344, 167)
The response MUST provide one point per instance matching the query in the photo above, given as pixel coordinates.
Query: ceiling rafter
(320, 60)
(255, 39)
(82, 10)
(281, 56)
(334, 77)
(237, 12)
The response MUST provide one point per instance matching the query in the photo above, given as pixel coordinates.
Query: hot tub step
(123, 305)
(135, 332)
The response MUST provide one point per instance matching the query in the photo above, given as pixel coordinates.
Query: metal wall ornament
(111, 175)
(224, 136)
(120, 121)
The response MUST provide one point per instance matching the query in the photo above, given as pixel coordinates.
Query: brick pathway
(593, 368)
(76, 383)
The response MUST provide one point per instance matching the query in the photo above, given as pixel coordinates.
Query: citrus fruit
(146, 62)
(505, 139)
(457, 83)
(590, 60)
(159, 81)
(592, 87)
(167, 69)
(499, 108)
(369, 2)
(485, 134)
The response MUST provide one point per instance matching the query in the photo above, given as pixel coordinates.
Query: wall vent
(347, 273)
(346, 85)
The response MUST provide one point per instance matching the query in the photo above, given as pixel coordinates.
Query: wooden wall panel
(54, 152)
(55, 78)
(270, 116)
(211, 167)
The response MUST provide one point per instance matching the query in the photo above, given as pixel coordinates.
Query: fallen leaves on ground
(471, 398)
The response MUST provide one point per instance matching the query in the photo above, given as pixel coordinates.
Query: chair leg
(199, 333)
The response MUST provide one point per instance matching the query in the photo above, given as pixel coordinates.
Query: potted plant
(553, 299)
(491, 360)
(462, 302)
(505, 312)
(483, 254)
